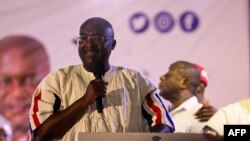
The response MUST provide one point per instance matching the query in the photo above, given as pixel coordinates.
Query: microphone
(99, 72)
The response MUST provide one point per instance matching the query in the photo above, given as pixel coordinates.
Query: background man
(23, 63)
(235, 113)
(179, 86)
(207, 111)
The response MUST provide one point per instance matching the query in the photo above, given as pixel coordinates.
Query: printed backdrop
(150, 34)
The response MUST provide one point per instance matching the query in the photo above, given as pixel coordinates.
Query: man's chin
(162, 94)
(20, 123)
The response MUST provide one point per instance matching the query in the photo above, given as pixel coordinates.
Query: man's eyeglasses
(96, 39)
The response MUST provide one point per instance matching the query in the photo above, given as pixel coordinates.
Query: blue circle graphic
(189, 21)
(164, 22)
(139, 17)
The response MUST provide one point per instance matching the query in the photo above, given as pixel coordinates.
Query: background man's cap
(203, 74)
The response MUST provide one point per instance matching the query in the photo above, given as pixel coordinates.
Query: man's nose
(91, 40)
(162, 77)
(17, 87)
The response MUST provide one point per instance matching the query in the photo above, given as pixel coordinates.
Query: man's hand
(2, 135)
(205, 112)
(96, 88)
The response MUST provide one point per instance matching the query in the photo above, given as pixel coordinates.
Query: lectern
(140, 137)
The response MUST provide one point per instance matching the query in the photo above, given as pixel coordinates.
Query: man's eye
(27, 80)
(5, 80)
(97, 38)
(83, 38)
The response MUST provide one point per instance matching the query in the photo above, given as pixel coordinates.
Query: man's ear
(183, 83)
(113, 44)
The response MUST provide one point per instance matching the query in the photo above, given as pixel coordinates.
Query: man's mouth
(18, 108)
(159, 86)
(91, 53)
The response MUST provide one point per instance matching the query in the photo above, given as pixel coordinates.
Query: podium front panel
(140, 137)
